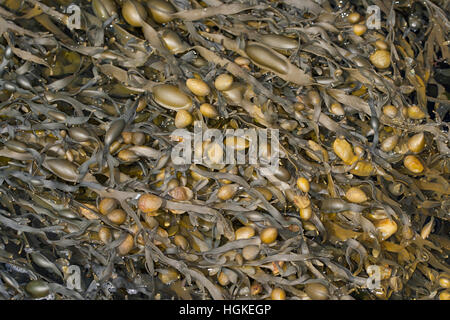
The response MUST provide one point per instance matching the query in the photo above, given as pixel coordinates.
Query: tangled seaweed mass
(92, 205)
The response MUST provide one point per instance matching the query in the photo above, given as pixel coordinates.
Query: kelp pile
(361, 195)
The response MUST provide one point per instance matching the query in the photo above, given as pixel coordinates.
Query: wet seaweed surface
(92, 205)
